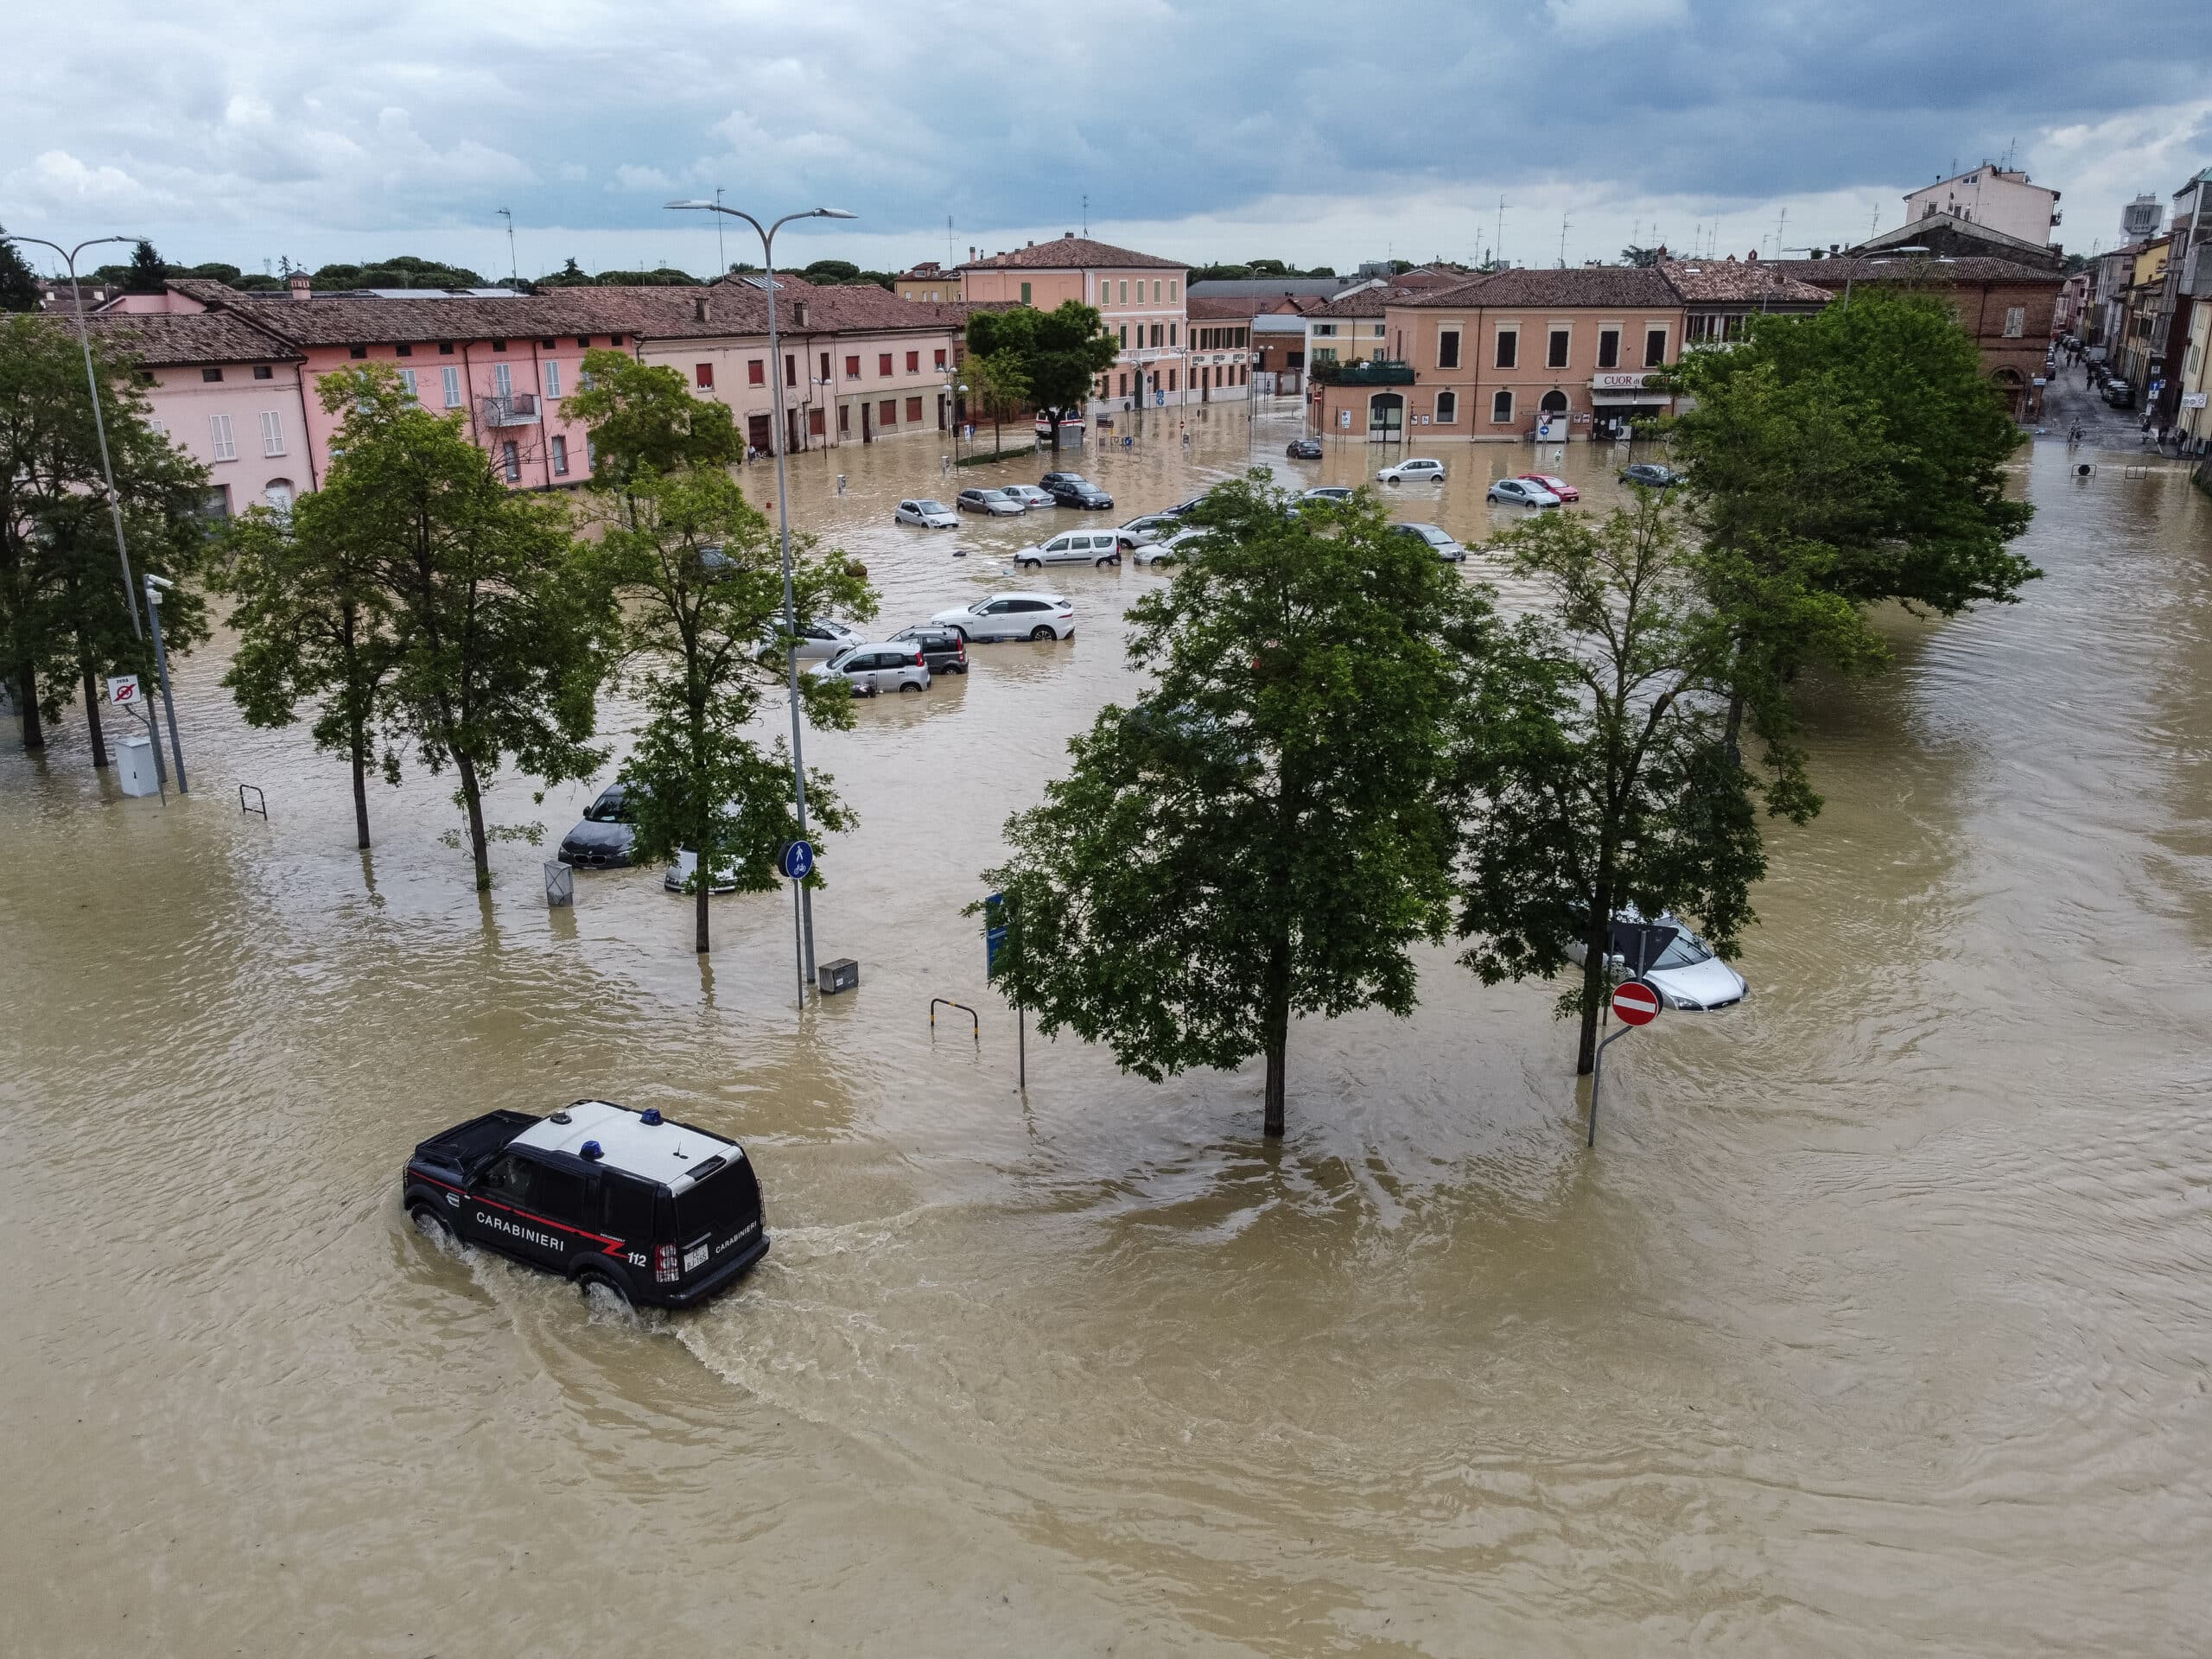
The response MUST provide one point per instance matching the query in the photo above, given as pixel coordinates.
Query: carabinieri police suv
(657, 1212)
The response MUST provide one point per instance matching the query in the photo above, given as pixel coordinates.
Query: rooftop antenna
(721, 254)
(513, 275)
(1086, 213)
(951, 263)
(1562, 239)
(1778, 224)
(1497, 246)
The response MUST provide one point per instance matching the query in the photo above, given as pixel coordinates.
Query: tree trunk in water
(472, 795)
(1735, 726)
(93, 714)
(1276, 1017)
(27, 702)
(1595, 943)
(700, 942)
(360, 785)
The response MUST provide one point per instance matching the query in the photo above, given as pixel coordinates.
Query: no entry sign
(1635, 1003)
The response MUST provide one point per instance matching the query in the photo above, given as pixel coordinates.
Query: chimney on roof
(971, 253)
(798, 314)
(1834, 248)
(699, 308)
(301, 284)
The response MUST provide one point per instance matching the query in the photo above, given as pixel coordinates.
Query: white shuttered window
(219, 433)
(272, 432)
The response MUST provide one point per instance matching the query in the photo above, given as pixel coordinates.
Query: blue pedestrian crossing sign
(795, 860)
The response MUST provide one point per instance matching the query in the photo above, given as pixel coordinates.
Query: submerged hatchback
(657, 1212)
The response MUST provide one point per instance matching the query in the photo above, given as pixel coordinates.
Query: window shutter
(552, 379)
(219, 433)
(452, 378)
(272, 433)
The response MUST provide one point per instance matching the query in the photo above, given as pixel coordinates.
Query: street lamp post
(99, 421)
(767, 234)
(155, 586)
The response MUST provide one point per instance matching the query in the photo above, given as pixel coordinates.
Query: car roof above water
(668, 1153)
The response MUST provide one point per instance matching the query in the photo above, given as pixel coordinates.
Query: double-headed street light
(767, 234)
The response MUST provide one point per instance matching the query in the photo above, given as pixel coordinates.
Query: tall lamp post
(767, 234)
(100, 422)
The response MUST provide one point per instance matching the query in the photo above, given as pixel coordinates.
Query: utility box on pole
(134, 766)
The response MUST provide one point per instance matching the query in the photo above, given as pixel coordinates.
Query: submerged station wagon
(659, 1212)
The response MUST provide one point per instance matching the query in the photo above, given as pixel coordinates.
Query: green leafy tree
(643, 419)
(19, 290)
(313, 626)
(1860, 450)
(701, 571)
(1265, 832)
(1596, 761)
(1636, 256)
(146, 274)
(571, 274)
(1062, 353)
(997, 388)
(502, 633)
(65, 620)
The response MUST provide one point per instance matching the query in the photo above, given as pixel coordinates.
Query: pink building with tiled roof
(1139, 296)
(860, 364)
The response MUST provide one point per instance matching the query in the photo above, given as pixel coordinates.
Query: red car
(1558, 486)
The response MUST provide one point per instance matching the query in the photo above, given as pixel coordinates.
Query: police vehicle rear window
(727, 1200)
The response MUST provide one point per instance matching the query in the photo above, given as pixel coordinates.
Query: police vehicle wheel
(591, 1276)
(427, 1219)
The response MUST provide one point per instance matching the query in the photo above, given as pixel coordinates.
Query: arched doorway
(1551, 411)
(1386, 417)
(2009, 386)
(278, 494)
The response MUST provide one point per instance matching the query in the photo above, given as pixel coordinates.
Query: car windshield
(607, 808)
(1432, 535)
(845, 656)
(988, 495)
(926, 506)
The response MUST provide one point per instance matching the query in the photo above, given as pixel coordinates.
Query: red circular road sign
(1635, 1003)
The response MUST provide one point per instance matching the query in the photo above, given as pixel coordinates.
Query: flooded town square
(1879, 1322)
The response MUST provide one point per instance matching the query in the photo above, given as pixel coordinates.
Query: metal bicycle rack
(258, 804)
(977, 1033)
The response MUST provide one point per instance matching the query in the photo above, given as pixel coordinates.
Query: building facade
(1140, 297)
(1516, 355)
(2002, 199)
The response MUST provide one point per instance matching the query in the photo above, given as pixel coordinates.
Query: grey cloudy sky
(1317, 132)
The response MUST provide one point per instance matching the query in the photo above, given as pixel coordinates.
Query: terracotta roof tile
(173, 339)
(1071, 253)
(1703, 281)
(1626, 287)
(1833, 273)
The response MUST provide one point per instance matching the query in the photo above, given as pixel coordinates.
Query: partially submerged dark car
(601, 840)
(657, 1212)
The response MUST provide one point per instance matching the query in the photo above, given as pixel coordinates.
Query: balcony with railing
(515, 408)
(1365, 371)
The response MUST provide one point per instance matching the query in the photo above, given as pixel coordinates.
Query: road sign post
(795, 860)
(996, 926)
(1636, 1004)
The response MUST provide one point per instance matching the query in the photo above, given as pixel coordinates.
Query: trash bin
(133, 767)
(843, 975)
(560, 885)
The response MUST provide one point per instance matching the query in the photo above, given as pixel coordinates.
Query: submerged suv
(657, 1211)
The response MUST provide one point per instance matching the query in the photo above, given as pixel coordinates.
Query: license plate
(696, 1257)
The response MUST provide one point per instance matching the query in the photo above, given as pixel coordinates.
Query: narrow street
(2070, 399)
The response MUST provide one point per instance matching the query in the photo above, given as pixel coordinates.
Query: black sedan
(1650, 474)
(1303, 449)
(1077, 492)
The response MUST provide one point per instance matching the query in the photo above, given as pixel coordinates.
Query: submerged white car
(1679, 965)
(929, 515)
(678, 875)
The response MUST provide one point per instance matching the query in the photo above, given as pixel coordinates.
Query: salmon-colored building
(1140, 298)
(1511, 356)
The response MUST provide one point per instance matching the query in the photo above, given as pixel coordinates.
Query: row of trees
(416, 608)
(1344, 750)
(1022, 357)
(65, 619)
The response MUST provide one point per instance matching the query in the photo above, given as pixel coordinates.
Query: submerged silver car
(872, 669)
(1677, 963)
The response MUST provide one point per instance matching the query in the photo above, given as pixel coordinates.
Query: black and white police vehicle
(660, 1212)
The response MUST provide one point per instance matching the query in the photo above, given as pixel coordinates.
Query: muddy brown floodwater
(1879, 1322)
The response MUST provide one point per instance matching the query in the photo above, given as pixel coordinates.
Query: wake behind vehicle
(657, 1212)
(1012, 616)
